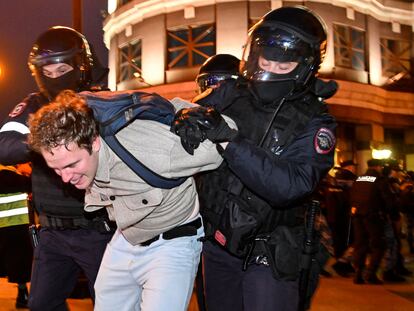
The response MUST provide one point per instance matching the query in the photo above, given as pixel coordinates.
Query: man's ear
(96, 144)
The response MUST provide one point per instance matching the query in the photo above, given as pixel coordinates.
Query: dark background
(21, 22)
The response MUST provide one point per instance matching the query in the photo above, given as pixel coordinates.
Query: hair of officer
(67, 119)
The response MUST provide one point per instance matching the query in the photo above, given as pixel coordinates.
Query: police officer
(345, 176)
(371, 199)
(215, 69)
(15, 247)
(70, 240)
(283, 147)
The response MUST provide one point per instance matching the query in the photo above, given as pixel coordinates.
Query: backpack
(115, 110)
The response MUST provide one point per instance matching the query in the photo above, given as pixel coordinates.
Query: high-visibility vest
(13, 209)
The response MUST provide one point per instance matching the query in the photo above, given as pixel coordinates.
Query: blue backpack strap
(149, 176)
(114, 111)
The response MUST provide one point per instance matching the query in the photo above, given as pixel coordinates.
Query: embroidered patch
(324, 141)
(18, 110)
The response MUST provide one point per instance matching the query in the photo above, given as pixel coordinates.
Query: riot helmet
(56, 46)
(215, 69)
(289, 35)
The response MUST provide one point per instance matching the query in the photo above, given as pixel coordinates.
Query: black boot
(373, 279)
(22, 297)
(358, 279)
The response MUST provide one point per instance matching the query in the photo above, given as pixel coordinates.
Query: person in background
(394, 268)
(215, 70)
(70, 240)
(273, 163)
(345, 176)
(371, 199)
(15, 247)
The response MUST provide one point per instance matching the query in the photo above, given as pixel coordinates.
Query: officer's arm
(14, 132)
(14, 149)
(290, 176)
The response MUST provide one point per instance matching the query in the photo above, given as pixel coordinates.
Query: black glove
(194, 125)
(186, 126)
(215, 127)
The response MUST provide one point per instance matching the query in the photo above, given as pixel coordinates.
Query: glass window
(190, 46)
(129, 64)
(395, 57)
(349, 46)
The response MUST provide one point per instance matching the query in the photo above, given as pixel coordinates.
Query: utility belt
(188, 229)
(100, 224)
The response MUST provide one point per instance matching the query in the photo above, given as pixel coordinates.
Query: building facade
(159, 45)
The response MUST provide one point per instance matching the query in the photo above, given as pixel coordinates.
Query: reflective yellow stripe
(13, 198)
(14, 212)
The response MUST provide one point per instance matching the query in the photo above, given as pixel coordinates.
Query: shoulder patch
(202, 95)
(18, 110)
(324, 141)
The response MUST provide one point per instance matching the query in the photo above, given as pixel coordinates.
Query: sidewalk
(334, 294)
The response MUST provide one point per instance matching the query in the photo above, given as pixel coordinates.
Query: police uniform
(70, 240)
(15, 247)
(277, 180)
(370, 198)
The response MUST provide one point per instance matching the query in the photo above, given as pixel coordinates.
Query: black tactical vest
(252, 120)
(51, 196)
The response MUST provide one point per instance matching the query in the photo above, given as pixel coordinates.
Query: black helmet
(62, 45)
(216, 69)
(287, 34)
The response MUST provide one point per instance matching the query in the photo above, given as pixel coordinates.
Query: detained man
(151, 261)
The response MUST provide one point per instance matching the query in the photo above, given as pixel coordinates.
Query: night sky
(21, 22)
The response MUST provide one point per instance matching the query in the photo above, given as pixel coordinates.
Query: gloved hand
(215, 127)
(194, 125)
(186, 126)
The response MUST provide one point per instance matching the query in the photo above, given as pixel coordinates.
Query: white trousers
(158, 277)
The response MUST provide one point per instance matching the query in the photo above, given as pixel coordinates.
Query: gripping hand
(195, 124)
(186, 126)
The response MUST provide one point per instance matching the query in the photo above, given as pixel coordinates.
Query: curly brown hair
(67, 119)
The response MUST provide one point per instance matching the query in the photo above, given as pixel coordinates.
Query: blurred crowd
(368, 218)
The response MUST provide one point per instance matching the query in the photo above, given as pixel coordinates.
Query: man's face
(56, 70)
(73, 164)
(275, 66)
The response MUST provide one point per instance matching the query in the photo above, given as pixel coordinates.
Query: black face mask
(53, 86)
(272, 92)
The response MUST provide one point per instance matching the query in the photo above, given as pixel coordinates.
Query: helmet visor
(210, 80)
(43, 58)
(275, 45)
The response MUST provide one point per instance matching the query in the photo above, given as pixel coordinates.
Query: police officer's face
(56, 70)
(275, 66)
(73, 164)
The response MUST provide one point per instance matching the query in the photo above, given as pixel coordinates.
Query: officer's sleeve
(293, 174)
(13, 137)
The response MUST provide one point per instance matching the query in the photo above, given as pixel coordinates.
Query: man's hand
(196, 124)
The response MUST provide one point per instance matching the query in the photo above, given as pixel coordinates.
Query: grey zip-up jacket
(140, 210)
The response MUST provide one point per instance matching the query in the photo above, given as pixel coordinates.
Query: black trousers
(368, 236)
(58, 259)
(227, 287)
(16, 253)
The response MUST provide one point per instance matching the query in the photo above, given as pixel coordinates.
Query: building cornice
(120, 19)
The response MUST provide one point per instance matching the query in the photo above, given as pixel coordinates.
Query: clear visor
(280, 47)
(47, 58)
